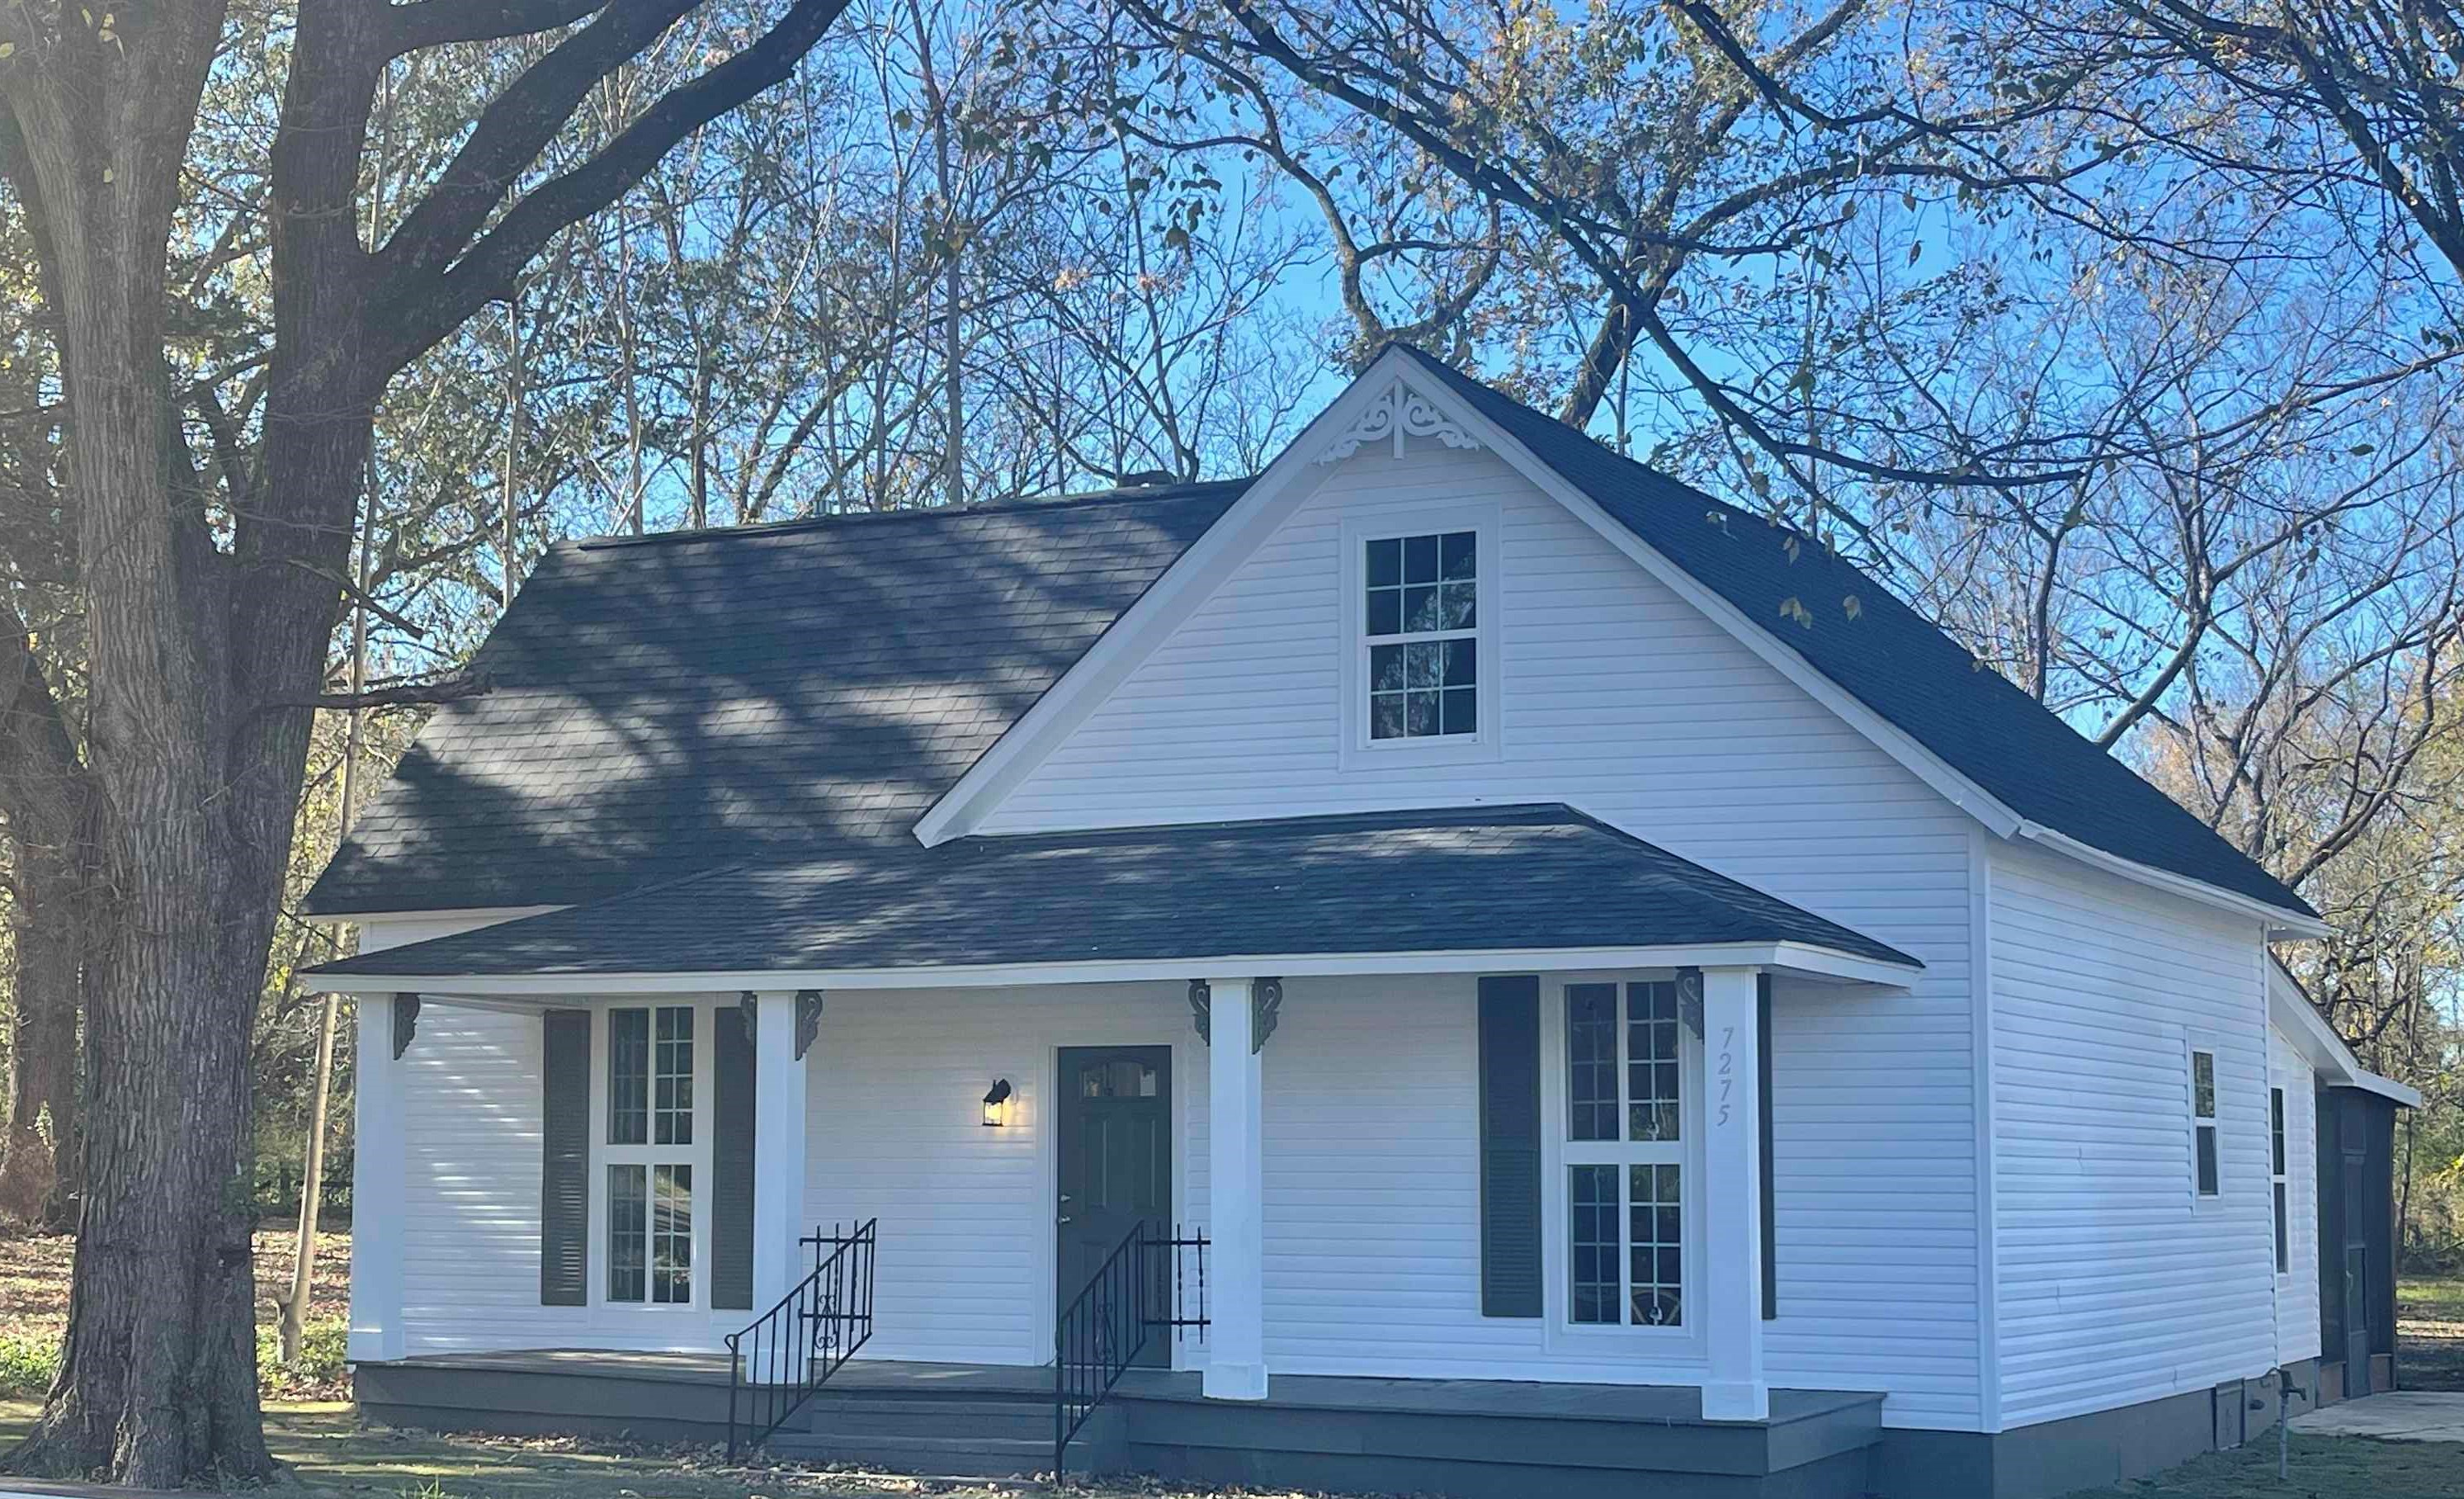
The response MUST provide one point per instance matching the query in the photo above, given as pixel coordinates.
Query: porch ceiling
(1463, 881)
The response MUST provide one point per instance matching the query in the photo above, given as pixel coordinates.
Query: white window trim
(2191, 1045)
(698, 1156)
(1357, 751)
(1682, 1346)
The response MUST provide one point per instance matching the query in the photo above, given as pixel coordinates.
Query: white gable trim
(2290, 1011)
(1375, 403)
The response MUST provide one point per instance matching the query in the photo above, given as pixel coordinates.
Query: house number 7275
(1727, 1069)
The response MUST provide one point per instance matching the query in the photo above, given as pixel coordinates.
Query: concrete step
(967, 1456)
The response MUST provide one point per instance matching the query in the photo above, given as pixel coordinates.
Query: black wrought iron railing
(1152, 1282)
(776, 1364)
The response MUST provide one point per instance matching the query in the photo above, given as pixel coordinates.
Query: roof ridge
(1180, 490)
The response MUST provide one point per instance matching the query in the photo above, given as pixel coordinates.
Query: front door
(1116, 1168)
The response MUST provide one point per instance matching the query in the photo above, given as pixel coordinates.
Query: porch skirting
(1474, 1438)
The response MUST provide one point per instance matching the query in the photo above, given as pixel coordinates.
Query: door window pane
(1651, 1064)
(1593, 1193)
(1591, 1060)
(1655, 1236)
(629, 1077)
(672, 1078)
(671, 1234)
(628, 1245)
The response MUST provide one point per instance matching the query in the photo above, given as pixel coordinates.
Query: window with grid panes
(1624, 1154)
(1422, 629)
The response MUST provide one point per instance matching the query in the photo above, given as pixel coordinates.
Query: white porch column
(1236, 1338)
(1732, 1196)
(779, 1126)
(377, 1184)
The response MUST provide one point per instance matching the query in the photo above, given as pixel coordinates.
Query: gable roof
(1889, 657)
(665, 703)
(1451, 880)
(2291, 1012)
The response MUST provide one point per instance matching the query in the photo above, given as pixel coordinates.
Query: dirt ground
(34, 1309)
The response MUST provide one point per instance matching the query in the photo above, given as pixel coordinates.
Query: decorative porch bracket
(405, 1023)
(1689, 1000)
(808, 1019)
(1266, 1004)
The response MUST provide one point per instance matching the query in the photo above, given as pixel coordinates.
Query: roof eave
(1805, 960)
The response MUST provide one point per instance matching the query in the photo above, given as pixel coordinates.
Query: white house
(1515, 974)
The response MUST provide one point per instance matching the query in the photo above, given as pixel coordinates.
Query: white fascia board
(1186, 584)
(1790, 957)
(2386, 1087)
(2281, 924)
(2292, 1013)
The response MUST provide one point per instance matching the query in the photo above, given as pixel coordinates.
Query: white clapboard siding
(2118, 1284)
(1623, 700)
(2296, 1290)
(896, 1102)
(470, 1225)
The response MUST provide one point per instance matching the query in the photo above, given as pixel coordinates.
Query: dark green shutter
(731, 1163)
(1510, 1147)
(564, 1160)
(1770, 1190)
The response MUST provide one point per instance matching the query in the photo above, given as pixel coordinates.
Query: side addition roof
(1478, 879)
(667, 703)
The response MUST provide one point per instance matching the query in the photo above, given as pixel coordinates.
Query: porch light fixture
(997, 1105)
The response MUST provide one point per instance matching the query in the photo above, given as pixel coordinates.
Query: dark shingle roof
(1460, 880)
(1890, 658)
(667, 703)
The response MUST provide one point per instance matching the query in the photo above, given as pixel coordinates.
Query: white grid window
(1421, 626)
(2203, 1123)
(650, 1155)
(2275, 1158)
(1624, 1165)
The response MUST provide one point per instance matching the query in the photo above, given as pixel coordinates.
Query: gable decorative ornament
(1398, 411)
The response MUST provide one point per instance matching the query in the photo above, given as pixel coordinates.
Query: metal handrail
(1103, 1332)
(792, 1348)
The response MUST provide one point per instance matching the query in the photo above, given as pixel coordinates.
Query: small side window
(2203, 1119)
(2276, 1157)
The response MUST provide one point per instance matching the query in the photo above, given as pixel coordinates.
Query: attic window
(1422, 629)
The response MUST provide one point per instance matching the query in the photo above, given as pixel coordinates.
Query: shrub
(28, 1361)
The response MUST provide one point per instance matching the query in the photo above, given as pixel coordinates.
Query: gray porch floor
(1652, 1403)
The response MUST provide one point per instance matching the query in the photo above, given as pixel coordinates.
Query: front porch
(1470, 1113)
(1471, 1437)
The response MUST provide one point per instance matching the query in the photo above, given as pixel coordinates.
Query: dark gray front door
(1115, 1159)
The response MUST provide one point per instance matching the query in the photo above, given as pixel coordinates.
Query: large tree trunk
(158, 1381)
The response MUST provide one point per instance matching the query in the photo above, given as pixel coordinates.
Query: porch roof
(1456, 881)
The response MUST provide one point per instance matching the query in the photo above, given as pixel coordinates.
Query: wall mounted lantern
(997, 1105)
